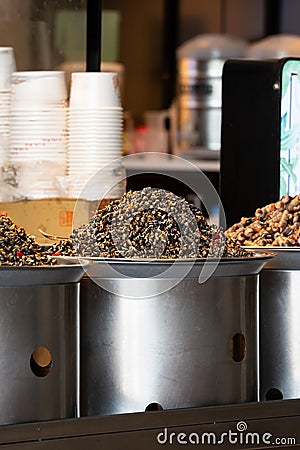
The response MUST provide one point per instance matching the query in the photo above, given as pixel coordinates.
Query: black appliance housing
(250, 135)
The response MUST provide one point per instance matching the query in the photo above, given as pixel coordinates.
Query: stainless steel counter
(165, 162)
(271, 425)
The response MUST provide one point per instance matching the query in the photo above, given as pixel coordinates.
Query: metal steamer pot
(149, 342)
(279, 326)
(39, 343)
(200, 62)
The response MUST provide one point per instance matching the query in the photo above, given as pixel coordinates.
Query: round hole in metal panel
(41, 361)
(238, 347)
(274, 394)
(154, 407)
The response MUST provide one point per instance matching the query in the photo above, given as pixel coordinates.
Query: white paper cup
(83, 177)
(36, 126)
(90, 128)
(94, 90)
(91, 152)
(19, 132)
(38, 139)
(74, 153)
(85, 118)
(19, 151)
(89, 146)
(38, 134)
(97, 112)
(85, 164)
(99, 109)
(25, 176)
(26, 156)
(94, 140)
(94, 129)
(95, 136)
(113, 139)
(109, 129)
(58, 112)
(42, 126)
(38, 122)
(37, 159)
(93, 118)
(76, 167)
(98, 133)
(7, 67)
(96, 158)
(92, 122)
(106, 159)
(77, 170)
(4, 108)
(5, 99)
(90, 113)
(38, 88)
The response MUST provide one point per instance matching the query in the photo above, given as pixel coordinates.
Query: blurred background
(169, 56)
(141, 36)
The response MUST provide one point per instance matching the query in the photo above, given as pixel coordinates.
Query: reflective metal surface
(38, 352)
(12, 276)
(183, 348)
(199, 103)
(163, 268)
(286, 258)
(279, 334)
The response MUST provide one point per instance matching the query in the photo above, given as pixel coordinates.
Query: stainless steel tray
(11, 276)
(167, 268)
(287, 258)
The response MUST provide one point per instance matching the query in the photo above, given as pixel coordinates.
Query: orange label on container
(65, 218)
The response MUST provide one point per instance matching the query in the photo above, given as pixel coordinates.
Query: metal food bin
(39, 343)
(174, 345)
(279, 326)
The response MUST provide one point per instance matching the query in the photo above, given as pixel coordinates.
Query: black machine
(260, 152)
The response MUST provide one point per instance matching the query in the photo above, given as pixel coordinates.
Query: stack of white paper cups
(95, 133)
(7, 67)
(38, 131)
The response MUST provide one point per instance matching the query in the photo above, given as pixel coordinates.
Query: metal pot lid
(11, 276)
(213, 46)
(287, 258)
(275, 46)
(170, 269)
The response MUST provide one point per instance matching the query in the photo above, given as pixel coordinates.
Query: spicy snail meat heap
(147, 224)
(18, 248)
(276, 224)
(136, 225)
